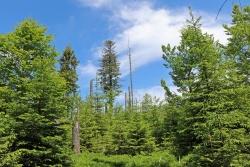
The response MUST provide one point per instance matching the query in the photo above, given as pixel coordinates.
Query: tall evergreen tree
(34, 104)
(215, 112)
(69, 63)
(238, 49)
(7, 135)
(192, 64)
(109, 73)
(237, 87)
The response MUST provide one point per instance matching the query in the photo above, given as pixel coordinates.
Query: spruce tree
(118, 133)
(239, 40)
(7, 135)
(34, 104)
(147, 103)
(109, 73)
(139, 137)
(214, 100)
(87, 124)
(237, 89)
(192, 63)
(68, 65)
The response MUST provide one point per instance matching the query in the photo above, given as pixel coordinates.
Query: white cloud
(155, 91)
(111, 4)
(149, 28)
(96, 3)
(218, 33)
(88, 69)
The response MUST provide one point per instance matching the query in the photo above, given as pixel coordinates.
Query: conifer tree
(68, 67)
(109, 73)
(118, 134)
(215, 114)
(88, 125)
(34, 105)
(239, 40)
(147, 103)
(7, 135)
(193, 65)
(139, 139)
(237, 88)
(99, 96)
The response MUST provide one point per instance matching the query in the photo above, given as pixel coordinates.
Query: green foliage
(157, 159)
(109, 73)
(94, 126)
(120, 133)
(34, 105)
(239, 40)
(213, 128)
(139, 136)
(68, 64)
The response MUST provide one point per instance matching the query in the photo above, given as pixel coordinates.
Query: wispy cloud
(88, 70)
(155, 91)
(149, 28)
(95, 3)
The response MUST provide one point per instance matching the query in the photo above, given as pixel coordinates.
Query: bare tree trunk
(105, 108)
(130, 76)
(129, 99)
(76, 129)
(125, 101)
(76, 137)
(91, 87)
(91, 93)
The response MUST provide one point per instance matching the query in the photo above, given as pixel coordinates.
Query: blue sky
(85, 24)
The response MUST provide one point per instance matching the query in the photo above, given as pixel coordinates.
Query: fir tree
(215, 114)
(109, 73)
(68, 67)
(34, 105)
(139, 138)
(239, 40)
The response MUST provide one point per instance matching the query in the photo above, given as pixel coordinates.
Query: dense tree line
(205, 124)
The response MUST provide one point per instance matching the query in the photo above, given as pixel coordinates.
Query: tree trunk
(76, 137)
(126, 101)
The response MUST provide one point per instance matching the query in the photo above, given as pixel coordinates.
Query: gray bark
(76, 137)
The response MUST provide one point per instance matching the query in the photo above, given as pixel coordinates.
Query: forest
(45, 122)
